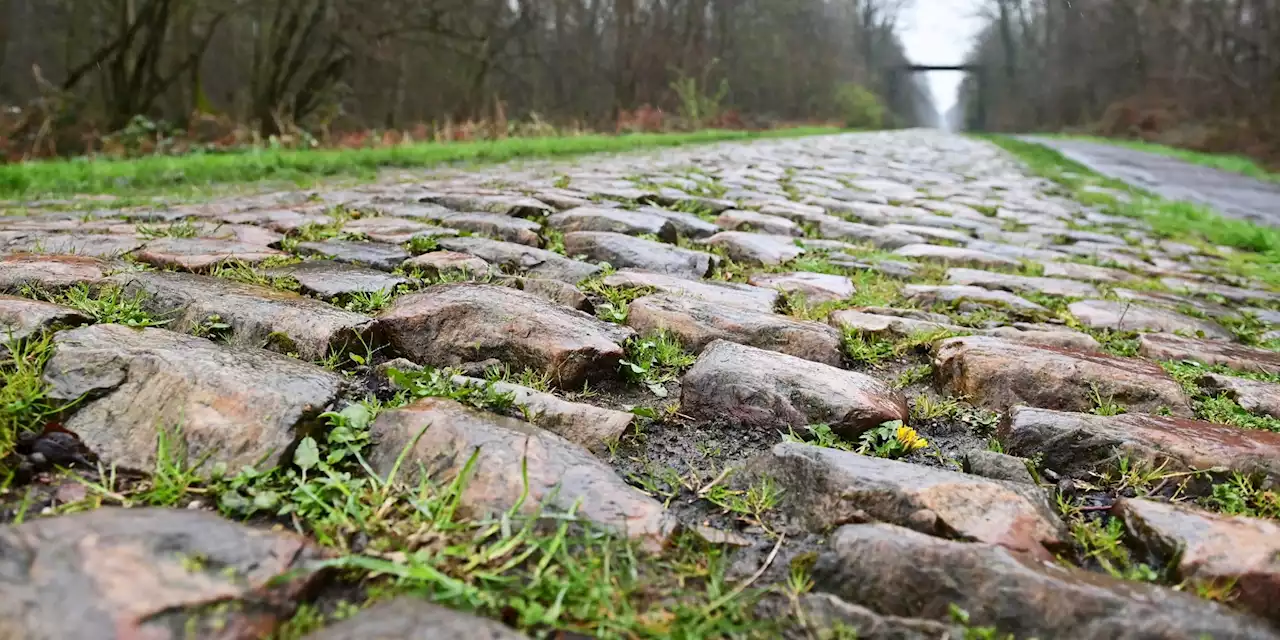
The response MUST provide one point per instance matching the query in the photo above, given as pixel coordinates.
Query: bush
(860, 108)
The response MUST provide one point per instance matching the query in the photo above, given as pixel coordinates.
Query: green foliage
(655, 360)
(213, 327)
(439, 383)
(617, 300)
(1244, 496)
(868, 349)
(697, 104)
(873, 349)
(106, 304)
(860, 107)
(241, 272)
(180, 229)
(1223, 410)
(750, 504)
(196, 173)
(1181, 221)
(418, 245)
(890, 440)
(367, 301)
(820, 435)
(1102, 541)
(1104, 406)
(919, 373)
(24, 395)
(1219, 407)
(536, 380)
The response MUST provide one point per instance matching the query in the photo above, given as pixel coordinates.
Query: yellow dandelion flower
(910, 439)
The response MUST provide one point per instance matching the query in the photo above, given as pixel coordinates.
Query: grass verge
(156, 173)
(1225, 162)
(1255, 249)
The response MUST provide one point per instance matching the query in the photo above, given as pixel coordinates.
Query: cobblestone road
(950, 383)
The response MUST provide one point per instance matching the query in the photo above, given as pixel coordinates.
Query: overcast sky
(940, 32)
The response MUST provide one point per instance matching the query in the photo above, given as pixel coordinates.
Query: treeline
(324, 65)
(1197, 73)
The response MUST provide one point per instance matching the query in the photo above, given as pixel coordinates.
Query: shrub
(860, 107)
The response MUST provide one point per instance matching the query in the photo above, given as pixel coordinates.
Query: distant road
(1230, 193)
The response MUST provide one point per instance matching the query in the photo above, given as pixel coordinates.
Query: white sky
(940, 32)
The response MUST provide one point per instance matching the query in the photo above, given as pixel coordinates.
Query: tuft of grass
(749, 504)
(180, 229)
(1243, 495)
(867, 349)
(24, 402)
(439, 383)
(1219, 408)
(247, 274)
(617, 300)
(419, 245)
(367, 301)
(919, 373)
(655, 360)
(538, 381)
(200, 171)
(1104, 406)
(106, 304)
(1101, 542)
(541, 573)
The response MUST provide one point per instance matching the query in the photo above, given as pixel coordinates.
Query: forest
(1203, 74)
(77, 74)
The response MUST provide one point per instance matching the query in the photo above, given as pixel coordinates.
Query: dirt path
(1229, 193)
(827, 384)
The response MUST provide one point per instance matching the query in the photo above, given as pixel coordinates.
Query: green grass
(55, 178)
(1226, 162)
(656, 360)
(540, 573)
(1219, 408)
(24, 402)
(107, 304)
(1258, 246)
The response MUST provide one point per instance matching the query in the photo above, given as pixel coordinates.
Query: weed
(212, 327)
(868, 349)
(1102, 542)
(418, 245)
(891, 440)
(1220, 408)
(440, 383)
(553, 240)
(919, 373)
(106, 304)
(820, 435)
(1223, 410)
(1243, 495)
(1117, 343)
(24, 401)
(750, 504)
(655, 360)
(617, 300)
(1104, 406)
(531, 378)
(241, 272)
(367, 301)
(180, 229)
